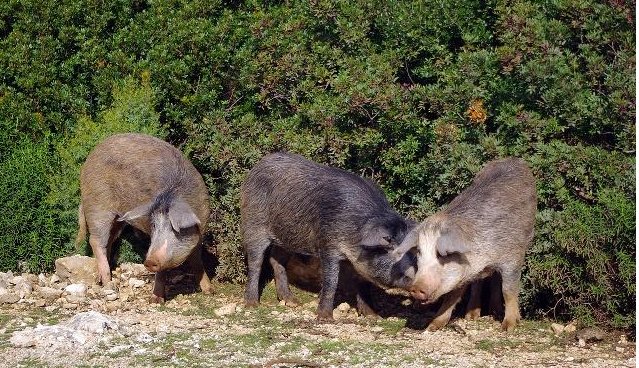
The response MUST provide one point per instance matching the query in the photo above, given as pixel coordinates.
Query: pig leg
(473, 309)
(330, 276)
(446, 310)
(278, 260)
(510, 289)
(158, 288)
(116, 231)
(255, 250)
(98, 245)
(195, 262)
(496, 306)
(363, 298)
(100, 232)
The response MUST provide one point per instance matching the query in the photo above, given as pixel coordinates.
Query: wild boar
(143, 181)
(487, 228)
(312, 209)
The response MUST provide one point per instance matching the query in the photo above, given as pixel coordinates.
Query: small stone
(42, 280)
(226, 310)
(69, 305)
(620, 349)
(557, 328)
(571, 327)
(136, 283)
(49, 293)
(343, 307)
(623, 339)
(54, 279)
(51, 308)
(92, 321)
(23, 340)
(24, 288)
(134, 269)
(16, 280)
(76, 299)
(113, 306)
(8, 298)
(377, 329)
(4, 279)
(582, 343)
(40, 303)
(76, 269)
(282, 303)
(76, 289)
(591, 334)
(111, 297)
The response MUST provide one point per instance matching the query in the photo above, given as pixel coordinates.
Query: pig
(485, 229)
(145, 182)
(306, 208)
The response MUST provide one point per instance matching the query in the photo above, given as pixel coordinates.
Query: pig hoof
(251, 304)
(154, 299)
(434, 326)
(508, 326)
(325, 319)
(207, 291)
(323, 316)
(291, 301)
(473, 314)
(367, 312)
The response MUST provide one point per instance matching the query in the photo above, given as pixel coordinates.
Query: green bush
(416, 95)
(28, 227)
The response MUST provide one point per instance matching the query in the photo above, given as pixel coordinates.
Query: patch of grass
(4, 319)
(496, 344)
(391, 326)
(29, 363)
(532, 326)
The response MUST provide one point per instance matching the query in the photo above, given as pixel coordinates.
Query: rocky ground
(66, 320)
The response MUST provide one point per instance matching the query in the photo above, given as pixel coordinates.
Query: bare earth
(197, 330)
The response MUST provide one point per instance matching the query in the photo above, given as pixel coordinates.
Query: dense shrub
(28, 226)
(417, 95)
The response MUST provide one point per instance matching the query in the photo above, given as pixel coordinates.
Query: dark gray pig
(147, 183)
(307, 208)
(486, 229)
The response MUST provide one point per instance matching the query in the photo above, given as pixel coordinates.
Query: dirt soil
(196, 330)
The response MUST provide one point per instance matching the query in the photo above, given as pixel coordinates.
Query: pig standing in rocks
(147, 183)
(298, 206)
(487, 228)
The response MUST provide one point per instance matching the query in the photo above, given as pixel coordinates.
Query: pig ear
(451, 240)
(137, 212)
(410, 241)
(181, 215)
(377, 237)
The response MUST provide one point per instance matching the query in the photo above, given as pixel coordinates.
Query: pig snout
(152, 265)
(424, 288)
(155, 260)
(418, 293)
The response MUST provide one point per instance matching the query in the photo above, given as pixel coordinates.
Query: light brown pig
(486, 229)
(149, 184)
